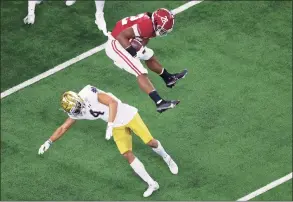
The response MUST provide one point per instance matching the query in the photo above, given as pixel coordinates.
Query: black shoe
(165, 105)
(175, 77)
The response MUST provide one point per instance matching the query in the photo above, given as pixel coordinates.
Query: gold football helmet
(72, 103)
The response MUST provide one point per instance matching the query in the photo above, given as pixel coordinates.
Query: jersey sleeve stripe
(135, 30)
(125, 58)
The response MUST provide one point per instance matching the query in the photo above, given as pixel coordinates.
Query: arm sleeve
(145, 29)
(135, 30)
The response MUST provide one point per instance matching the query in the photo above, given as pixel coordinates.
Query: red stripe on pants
(124, 57)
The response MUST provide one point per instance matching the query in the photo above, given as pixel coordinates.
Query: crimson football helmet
(163, 21)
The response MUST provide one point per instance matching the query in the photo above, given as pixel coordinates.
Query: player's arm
(124, 39)
(111, 103)
(59, 132)
(113, 107)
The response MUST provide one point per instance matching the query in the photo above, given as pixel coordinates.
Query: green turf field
(230, 135)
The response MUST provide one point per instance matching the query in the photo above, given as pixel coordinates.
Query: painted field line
(77, 59)
(185, 7)
(266, 188)
(52, 71)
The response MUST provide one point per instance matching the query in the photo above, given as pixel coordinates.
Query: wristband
(49, 141)
(110, 124)
(132, 51)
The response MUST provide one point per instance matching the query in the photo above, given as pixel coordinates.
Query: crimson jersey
(142, 26)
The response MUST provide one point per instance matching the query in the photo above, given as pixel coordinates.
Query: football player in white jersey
(91, 104)
(100, 21)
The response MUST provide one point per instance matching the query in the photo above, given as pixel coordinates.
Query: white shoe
(152, 187)
(29, 19)
(70, 2)
(171, 164)
(101, 23)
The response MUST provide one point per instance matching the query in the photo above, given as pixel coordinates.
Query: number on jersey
(96, 113)
(131, 18)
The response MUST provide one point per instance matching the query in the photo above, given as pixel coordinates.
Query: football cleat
(70, 2)
(152, 187)
(29, 19)
(165, 105)
(171, 164)
(175, 77)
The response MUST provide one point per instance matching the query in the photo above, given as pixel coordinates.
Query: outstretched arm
(62, 129)
(59, 132)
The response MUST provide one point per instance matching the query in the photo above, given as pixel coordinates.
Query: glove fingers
(42, 149)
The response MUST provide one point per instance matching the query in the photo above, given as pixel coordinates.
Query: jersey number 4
(131, 18)
(96, 113)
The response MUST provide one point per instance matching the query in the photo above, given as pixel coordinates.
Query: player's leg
(100, 20)
(140, 170)
(132, 65)
(140, 129)
(154, 65)
(123, 140)
(159, 149)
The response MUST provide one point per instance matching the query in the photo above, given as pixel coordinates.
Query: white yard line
(266, 188)
(52, 71)
(185, 7)
(77, 59)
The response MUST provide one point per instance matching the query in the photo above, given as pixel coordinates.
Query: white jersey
(93, 109)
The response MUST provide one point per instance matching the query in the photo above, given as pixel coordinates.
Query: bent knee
(129, 156)
(153, 143)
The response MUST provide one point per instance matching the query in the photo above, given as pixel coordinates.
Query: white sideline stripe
(77, 59)
(185, 7)
(52, 71)
(266, 188)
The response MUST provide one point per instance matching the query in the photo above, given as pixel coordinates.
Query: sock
(99, 7)
(99, 16)
(139, 168)
(31, 7)
(165, 75)
(155, 97)
(160, 150)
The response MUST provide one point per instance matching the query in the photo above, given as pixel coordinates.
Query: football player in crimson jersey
(100, 21)
(143, 27)
(92, 104)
